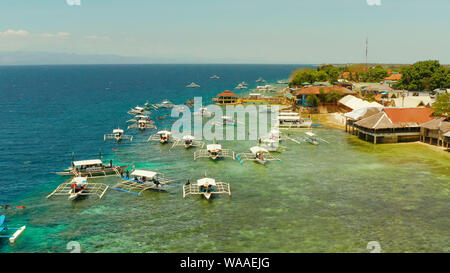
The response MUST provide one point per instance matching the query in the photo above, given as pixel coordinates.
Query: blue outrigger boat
(4, 230)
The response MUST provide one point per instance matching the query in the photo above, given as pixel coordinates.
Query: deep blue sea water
(329, 198)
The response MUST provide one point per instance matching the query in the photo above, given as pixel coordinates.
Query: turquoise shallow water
(332, 198)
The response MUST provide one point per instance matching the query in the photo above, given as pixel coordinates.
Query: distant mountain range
(49, 58)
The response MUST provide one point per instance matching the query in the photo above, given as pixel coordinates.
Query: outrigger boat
(260, 80)
(162, 136)
(166, 104)
(4, 230)
(138, 110)
(142, 180)
(227, 120)
(143, 124)
(310, 137)
(214, 151)
(77, 187)
(192, 85)
(139, 117)
(290, 120)
(203, 111)
(206, 187)
(257, 154)
(271, 144)
(118, 135)
(214, 77)
(241, 86)
(92, 168)
(188, 141)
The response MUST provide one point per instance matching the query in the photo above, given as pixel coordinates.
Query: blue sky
(232, 31)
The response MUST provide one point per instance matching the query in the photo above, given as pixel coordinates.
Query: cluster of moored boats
(83, 170)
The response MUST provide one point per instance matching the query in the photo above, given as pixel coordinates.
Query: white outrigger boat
(257, 154)
(166, 104)
(206, 187)
(214, 77)
(260, 79)
(203, 111)
(192, 85)
(4, 230)
(214, 151)
(241, 86)
(138, 110)
(92, 168)
(271, 144)
(138, 117)
(227, 120)
(162, 136)
(291, 120)
(188, 141)
(143, 124)
(142, 180)
(77, 187)
(312, 138)
(118, 135)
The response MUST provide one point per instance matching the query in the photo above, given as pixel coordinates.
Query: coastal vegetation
(441, 106)
(424, 76)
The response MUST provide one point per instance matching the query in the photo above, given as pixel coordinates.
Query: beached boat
(162, 136)
(5, 230)
(206, 187)
(214, 77)
(214, 151)
(142, 180)
(92, 168)
(257, 154)
(188, 141)
(192, 85)
(118, 135)
(77, 187)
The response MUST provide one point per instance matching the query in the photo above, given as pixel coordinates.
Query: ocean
(332, 198)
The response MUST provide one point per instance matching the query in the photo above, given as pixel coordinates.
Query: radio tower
(367, 50)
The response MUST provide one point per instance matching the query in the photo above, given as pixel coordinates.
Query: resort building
(226, 97)
(447, 140)
(351, 103)
(393, 125)
(434, 131)
(359, 114)
(411, 101)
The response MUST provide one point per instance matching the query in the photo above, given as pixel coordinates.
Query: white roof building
(355, 103)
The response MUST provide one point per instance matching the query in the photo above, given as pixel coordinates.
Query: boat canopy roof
(257, 149)
(206, 181)
(145, 173)
(214, 147)
(288, 114)
(289, 117)
(79, 180)
(141, 116)
(188, 137)
(310, 134)
(87, 162)
(117, 131)
(164, 132)
(138, 108)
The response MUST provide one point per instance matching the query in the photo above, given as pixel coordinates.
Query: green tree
(312, 100)
(334, 95)
(442, 105)
(424, 76)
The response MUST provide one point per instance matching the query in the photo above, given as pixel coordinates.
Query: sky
(230, 31)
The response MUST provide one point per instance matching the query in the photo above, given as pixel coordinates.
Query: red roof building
(394, 77)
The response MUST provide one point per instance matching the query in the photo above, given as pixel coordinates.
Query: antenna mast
(367, 51)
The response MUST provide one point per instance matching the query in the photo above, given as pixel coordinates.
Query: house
(434, 131)
(359, 114)
(447, 140)
(303, 94)
(392, 79)
(350, 103)
(393, 125)
(411, 101)
(226, 97)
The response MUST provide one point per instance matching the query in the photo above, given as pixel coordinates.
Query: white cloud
(56, 35)
(97, 38)
(14, 33)
(374, 2)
